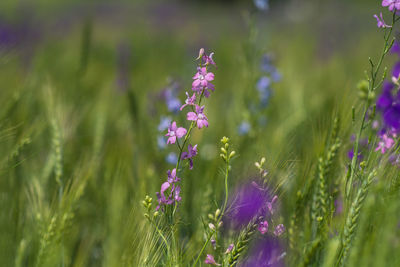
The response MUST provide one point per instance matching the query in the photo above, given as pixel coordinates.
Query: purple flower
(271, 203)
(266, 252)
(229, 249)
(279, 229)
(190, 100)
(395, 48)
(198, 116)
(248, 201)
(192, 151)
(385, 143)
(172, 178)
(161, 196)
(177, 192)
(391, 117)
(380, 21)
(202, 78)
(392, 4)
(396, 70)
(210, 260)
(174, 132)
(263, 84)
(385, 100)
(263, 227)
(173, 104)
(209, 60)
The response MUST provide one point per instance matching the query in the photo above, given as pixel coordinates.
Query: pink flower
(381, 22)
(385, 144)
(174, 132)
(269, 204)
(263, 227)
(190, 100)
(210, 260)
(279, 229)
(198, 116)
(192, 151)
(208, 59)
(202, 77)
(392, 4)
(229, 249)
(172, 176)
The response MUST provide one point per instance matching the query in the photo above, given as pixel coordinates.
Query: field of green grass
(82, 94)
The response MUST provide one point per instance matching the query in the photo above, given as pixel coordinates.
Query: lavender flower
(202, 78)
(199, 117)
(248, 201)
(192, 151)
(263, 227)
(392, 4)
(210, 260)
(380, 22)
(190, 100)
(229, 249)
(175, 132)
(267, 252)
(385, 143)
(279, 229)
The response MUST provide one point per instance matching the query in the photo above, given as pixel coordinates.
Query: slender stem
(371, 87)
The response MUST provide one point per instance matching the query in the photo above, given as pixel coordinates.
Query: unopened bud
(225, 140)
(217, 213)
(155, 214)
(232, 154)
(223, 150)
(262, 161)
(212, 226)
(210, 216)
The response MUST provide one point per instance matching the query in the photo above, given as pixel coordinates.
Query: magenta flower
(385, 143)
(210, 260)
(271, 203)
(192, 151)
(161, 196)
(202, 78)
(172, 176)
(279, 229)
(392, 4)
(209, 60)
(381, 22)
(190, 100)
(177, 192)
(174, 132)
(263, 227)
(199, 117)
(229, 249)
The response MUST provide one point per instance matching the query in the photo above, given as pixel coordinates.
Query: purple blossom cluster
(269, 76)
(388, 106)
(202, 87)
(252, 201)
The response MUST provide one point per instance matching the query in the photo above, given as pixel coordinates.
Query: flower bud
(232, 154)
(155, 213)
(223, 150)
(211, 226)
(262, 161)
(210, 216)
(225, 140)
(217, 213)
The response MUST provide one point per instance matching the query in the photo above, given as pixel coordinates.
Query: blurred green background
(79, 96)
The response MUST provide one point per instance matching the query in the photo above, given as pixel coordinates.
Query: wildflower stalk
(372, 86)
(226, 156)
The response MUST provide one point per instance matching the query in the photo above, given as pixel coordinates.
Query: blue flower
(171, 158)
(263, 83)
(161, 142)
(244, 128)
(165, 122)
(261, 4)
